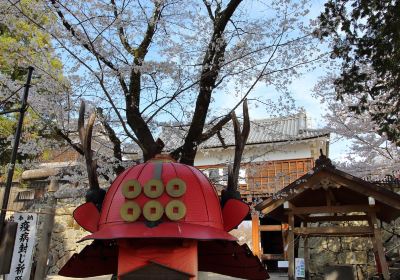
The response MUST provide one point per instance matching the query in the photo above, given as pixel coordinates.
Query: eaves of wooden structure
(326, 194)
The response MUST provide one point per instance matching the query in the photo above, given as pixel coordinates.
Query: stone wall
(355, 251)
(66, 233)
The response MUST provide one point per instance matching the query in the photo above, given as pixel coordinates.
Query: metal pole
(11, 166)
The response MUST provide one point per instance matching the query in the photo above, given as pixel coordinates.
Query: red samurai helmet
(160, 208)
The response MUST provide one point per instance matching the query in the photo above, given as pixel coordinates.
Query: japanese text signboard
(23, 248)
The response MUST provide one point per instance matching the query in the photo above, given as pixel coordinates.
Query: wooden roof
(325, 182)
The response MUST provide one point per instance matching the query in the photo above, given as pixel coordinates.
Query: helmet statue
(162, 215)
(162, 199)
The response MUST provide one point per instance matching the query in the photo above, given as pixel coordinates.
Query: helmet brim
(163, 230)
(222, 257)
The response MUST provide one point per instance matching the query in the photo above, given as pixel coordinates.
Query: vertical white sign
(300, 268)
(23, 248)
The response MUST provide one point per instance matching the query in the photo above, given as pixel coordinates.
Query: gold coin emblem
(130, 211)
(131, 189)
(153, 210)
(175, 210)
(153, 188)
(176, 187)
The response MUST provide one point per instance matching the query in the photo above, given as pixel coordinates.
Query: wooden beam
(331, 195)
(317, 219)
(331, 209)
(255, 224)
(306, 255)
(366, 190)
(290, 245)
(326, 231)
(276, 257)
(301, 217)
(378, 247)
(270, 228)
(328, 199)
(272, 206)
(289, 205)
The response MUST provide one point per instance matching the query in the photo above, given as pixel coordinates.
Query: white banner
(23, 248)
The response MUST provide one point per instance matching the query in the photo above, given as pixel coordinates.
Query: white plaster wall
(255, 153)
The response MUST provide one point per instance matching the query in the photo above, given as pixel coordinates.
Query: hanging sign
(23, 248)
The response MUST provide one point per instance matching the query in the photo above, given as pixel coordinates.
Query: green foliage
(23, 44)
(31, 131)
(7, 128)
(365, 35)
(18, 169)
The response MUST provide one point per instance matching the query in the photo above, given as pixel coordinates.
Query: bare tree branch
(211, 66)
(221, 139)
(85, 135)
(209, 11)
(117, 151)
(121, 32)
(73, 32)
(132, 98)
(240, 142)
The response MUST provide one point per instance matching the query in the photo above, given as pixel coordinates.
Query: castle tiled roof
(282, 129)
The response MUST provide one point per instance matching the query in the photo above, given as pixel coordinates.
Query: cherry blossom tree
(370, 152)
(141, 64)
(361, 89)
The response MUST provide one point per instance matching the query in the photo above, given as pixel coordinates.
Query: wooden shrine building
(327, 194)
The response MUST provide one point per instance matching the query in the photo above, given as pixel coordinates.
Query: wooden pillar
(378, 247)
(47, 228)
(255, 229)
(291, 269)
(285, 240)
(306, 255)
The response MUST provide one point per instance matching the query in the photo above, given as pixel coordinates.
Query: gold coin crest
(131, 189)
(176, 187)
(175, 210)
(153, 188)
(130, 211)
(153, 210)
